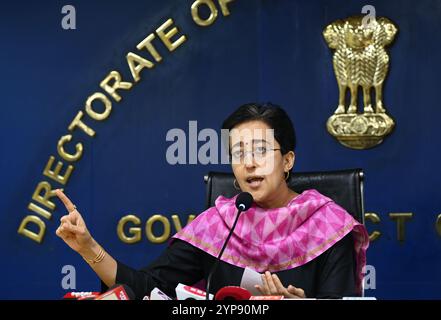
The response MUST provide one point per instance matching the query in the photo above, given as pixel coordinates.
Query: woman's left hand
(272, 286)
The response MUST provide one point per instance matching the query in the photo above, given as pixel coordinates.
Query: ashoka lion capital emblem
(360, 60)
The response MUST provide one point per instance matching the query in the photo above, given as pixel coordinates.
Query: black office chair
(345, 187)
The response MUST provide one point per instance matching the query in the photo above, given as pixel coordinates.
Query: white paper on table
(249, 279)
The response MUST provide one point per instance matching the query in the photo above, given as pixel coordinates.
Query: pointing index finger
(67, 203)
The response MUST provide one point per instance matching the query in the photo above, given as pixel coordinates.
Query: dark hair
(273, 115)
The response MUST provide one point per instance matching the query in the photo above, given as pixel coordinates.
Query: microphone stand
(216, 263)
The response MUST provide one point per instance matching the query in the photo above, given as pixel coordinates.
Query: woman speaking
(305, 245)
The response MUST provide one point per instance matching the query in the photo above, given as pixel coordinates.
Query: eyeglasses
(258, 153)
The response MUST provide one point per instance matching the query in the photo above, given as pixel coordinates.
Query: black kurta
(330, 275)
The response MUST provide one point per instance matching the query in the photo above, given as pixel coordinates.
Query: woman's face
(257, 162)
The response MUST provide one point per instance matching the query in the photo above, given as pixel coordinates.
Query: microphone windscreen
(244, 201)
(232, 293)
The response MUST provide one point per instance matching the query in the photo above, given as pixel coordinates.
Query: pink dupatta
(276, 239)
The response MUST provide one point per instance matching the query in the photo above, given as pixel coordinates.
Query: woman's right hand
(72, 228)
(74, 232)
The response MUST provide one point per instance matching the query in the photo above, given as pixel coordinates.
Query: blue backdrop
(263, 51)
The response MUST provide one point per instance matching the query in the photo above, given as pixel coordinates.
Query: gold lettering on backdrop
(129, 227)
(149, 229)
(77, 122)
(55, 173)
(166, 36)
(117, 84)
(105, 101)
(112, 85)
(374, 218)
(68, 156)
(39, 210)
(401, 218)
(135, 232)
(37, 237)
(147, 43)
(224, 7)
(136, 64)
(211, 6)
(48, 193)
(195, 12)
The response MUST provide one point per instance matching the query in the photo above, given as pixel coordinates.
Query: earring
(235, 185)
(287, 176)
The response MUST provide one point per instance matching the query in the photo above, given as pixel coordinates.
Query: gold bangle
(99, 257)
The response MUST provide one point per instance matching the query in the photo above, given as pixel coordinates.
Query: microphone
(243, 202)
(232, 293)
(80, 295)
(117, 292)
(157, 294)
(184, 292)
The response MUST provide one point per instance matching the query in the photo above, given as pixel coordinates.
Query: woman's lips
(254, 182)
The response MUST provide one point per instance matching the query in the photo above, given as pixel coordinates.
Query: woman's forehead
(250, 142)
(251, 136)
